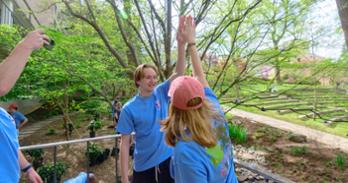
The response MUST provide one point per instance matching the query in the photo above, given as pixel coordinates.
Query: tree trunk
(342, 6)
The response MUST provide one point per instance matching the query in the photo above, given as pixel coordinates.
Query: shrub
(341, 161)
(93, 153)
(47, 171)
(238, 133)
(51, 131)
(37, 155)
(298, 151)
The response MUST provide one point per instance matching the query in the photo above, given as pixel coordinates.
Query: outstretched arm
(190, 33)
(12, 67)
(30, 172)
(180, 65)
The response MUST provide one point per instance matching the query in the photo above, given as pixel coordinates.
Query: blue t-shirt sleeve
(125, 122)
(163, 88)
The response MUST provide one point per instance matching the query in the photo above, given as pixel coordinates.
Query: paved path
(32, 127)
(325, 138)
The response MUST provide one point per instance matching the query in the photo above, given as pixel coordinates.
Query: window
(6, 9)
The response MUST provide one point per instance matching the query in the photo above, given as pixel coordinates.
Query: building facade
(28, 13)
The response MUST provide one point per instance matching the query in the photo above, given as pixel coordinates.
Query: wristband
(191, 44)
(28, 167)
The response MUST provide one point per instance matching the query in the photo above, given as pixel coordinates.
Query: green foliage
(93, 153)
(94, 125)
(47, 171)
(9, 36)
(238, 133)
(35, 153)
(341, 161)
(95, 105)
(51, 131)
(298, 151)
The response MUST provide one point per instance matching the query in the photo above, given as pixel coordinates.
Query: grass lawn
(337, 128)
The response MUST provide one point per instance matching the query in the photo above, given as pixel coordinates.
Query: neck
(145, 93)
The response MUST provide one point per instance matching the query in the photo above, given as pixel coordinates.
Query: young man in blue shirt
(142, 114)
(12, 159)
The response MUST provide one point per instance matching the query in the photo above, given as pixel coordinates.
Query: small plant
(238, 133)
(341, 161)
(298, 151)
(93, 153)
(70, 128)
(47, 171)
(37, 155)
(51, 131)
(93, 126)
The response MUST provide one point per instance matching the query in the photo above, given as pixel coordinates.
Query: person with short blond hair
(142, 114)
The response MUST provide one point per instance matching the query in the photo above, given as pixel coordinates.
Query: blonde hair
(197, 121)
(139, 72)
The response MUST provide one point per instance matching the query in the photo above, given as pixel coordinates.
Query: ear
(138, 82)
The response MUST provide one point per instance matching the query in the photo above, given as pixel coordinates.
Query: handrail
(86, 140)
(40, 146)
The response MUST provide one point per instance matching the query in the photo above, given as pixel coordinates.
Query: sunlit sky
(325, 16)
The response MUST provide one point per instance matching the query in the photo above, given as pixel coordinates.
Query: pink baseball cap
(183, 89)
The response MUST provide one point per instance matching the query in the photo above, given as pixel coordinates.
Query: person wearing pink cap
(143, 114)
(196, 127)
(12, 161)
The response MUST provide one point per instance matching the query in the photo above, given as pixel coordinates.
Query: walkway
(32, 127)
(322, 137)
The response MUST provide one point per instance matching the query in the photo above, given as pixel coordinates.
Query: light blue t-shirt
(81, 178)
(195, 163)
(143, 115)
(9, 163)
(18, 117)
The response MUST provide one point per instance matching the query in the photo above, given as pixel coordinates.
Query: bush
(51, 131)
(298, 151)
(93, 126)
(341, 161)
(47, 171)
(96, 155)
(37, 155)
(238, 133)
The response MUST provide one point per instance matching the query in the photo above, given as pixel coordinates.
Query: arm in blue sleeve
(125, 122)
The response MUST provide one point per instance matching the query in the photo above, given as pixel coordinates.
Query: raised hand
(35, 40)
(190, 30)
(179, 35)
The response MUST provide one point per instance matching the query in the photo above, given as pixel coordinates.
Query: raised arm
(190, 34)
(180, 65)
(13, 65)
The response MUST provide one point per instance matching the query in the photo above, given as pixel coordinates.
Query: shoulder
(164, 85)
(187, 151)
(130, 103)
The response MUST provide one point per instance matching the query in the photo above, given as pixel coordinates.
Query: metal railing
(85, 140)
(251, 167)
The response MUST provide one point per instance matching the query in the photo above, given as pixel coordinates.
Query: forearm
(23, 123)
(22, 160)
(12, 66)
(124, 159)
(197, 66)
(180, 64)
